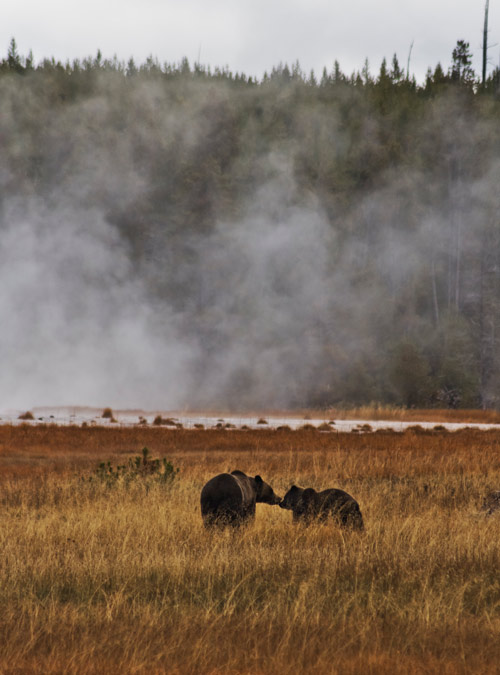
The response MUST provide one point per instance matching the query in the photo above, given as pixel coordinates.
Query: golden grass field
(122, 578)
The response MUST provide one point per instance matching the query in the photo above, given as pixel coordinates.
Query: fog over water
(192, 245)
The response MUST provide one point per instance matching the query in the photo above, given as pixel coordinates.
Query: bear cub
(308, 506)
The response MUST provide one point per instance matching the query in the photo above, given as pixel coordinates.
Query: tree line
(460, 71)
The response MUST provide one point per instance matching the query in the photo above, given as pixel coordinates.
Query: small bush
(262, 421)
(416, 429)
(365, 427)
(26, 416)
(324, 427)
(308, 427)
(160, 421)
(139, 467)
(491, 503)
(107, 413)
(167, 421)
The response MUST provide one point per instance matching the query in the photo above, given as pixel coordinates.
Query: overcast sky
(253, 35)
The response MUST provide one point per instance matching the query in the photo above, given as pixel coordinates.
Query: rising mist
(173, 238)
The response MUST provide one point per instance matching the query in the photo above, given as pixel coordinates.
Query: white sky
(253, 35)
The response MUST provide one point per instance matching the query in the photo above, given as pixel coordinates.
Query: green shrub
(141, 467)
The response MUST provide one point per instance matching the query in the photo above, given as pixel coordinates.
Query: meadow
(117, 575)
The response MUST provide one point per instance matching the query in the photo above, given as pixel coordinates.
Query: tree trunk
(485, 40)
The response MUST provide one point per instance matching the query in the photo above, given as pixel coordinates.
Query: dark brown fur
(308, 506)
(230, 498)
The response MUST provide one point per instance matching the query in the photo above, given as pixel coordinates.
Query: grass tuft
(324, 427)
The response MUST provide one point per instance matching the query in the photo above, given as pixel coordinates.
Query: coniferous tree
(14, 61)
(397, 74)
(461, 70)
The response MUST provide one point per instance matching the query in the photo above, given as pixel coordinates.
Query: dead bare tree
(408, 63)
(485, 39)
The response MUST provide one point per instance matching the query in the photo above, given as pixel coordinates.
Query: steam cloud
(78, 327)
(258, 309)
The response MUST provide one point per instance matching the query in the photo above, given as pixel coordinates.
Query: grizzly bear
(230, 498)
(308, 506)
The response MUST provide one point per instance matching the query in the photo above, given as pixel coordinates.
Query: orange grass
(302, 454)
(125, 579)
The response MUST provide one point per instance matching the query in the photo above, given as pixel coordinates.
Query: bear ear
(258, 479)
(294, 488)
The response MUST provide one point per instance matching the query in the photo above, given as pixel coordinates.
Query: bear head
(292, 498)
(265, 493)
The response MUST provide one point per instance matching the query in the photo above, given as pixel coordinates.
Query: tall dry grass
(125, 579)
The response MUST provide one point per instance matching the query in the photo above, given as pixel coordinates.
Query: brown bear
(230, 498)
(308, 505)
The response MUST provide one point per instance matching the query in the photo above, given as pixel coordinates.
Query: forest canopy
(297, 240)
